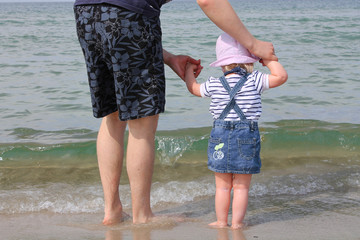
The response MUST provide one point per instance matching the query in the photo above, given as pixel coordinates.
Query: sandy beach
(343, 224)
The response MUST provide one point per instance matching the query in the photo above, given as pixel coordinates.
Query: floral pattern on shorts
(123, 54)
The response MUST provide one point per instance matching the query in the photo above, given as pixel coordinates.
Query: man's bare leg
(110, 153)
(140, 164)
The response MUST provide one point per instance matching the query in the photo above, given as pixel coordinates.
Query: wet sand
(327, 225)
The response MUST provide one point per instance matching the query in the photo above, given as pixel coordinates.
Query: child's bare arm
(191, 84)
(278, 74)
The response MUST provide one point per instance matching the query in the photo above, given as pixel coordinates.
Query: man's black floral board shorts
(124, 59)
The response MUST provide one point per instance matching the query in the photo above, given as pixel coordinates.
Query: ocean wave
(68, 198)
(88, 198)
(299, 158)
(308, 137)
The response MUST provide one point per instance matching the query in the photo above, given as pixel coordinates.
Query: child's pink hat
(229, 51)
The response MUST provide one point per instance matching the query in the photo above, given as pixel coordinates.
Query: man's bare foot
(162, 219)
(114, 218)
(219, 225)
(166, 217)
(143, 218)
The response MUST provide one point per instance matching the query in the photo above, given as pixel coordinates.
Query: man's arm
(223, 15)
(178, 63)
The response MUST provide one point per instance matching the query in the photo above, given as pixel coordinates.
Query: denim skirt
(234, 147)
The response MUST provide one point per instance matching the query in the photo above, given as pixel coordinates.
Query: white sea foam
(66, 198)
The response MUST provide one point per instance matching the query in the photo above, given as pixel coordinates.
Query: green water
(181, 154)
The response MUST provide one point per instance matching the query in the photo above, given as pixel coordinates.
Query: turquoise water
(310, 126)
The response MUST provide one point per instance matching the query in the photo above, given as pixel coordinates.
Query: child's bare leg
(241, 185)
(222, 198)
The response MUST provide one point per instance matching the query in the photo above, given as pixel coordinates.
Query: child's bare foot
(237, 226)
(218, 224)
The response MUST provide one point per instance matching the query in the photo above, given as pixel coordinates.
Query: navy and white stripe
(248, 98)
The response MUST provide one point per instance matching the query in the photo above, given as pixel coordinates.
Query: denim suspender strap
(232, 92)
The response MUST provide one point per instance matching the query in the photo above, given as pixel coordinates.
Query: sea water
(310, 127)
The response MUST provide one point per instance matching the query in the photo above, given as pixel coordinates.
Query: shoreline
(326, 225)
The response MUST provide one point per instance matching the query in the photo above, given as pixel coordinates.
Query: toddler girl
(234, 144)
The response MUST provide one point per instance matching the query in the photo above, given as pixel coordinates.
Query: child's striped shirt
(248, 98)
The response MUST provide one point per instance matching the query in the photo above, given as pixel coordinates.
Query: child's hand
(264, 62)
(191, 72)
(189, 65)
(192, 69)
(278, 74)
